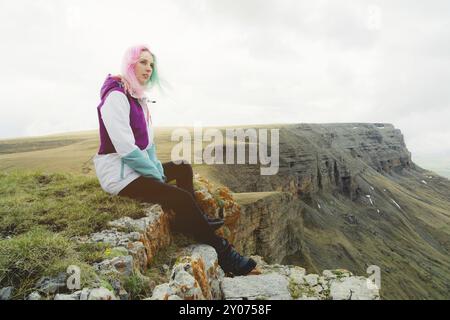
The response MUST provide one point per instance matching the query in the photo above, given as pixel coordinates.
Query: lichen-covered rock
(121, 265)
(153, 230)
(114, 237)
(185, 286)
(196, 275)
(212, 199)
(206, 270)
(139, 253)
(256, 287)
(162, 292)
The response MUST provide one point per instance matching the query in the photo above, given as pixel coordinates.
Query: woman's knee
(185, 169)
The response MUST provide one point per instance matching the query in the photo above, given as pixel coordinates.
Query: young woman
(127, 165)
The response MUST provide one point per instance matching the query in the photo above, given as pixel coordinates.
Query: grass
(40, 212)
(63, 203)
(26, 258)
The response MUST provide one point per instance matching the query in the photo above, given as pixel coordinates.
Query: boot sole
(248, 268)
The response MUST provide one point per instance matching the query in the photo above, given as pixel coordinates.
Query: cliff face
(269, 224)
(327, 157)
(348, 195)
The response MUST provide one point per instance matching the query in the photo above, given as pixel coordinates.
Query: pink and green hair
(130, 59)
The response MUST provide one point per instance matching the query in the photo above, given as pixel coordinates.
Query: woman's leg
(182, 173)
(188, 214)
(184, 176)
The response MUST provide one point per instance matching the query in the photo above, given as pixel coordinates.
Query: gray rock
(353, 288)
(84, 295)
(101, 294)
(328, 274)
(140, 225)
(312, 279)
(214, 274)
(297, 275)
(74, 296)
(137, 250)
(115, 238)
(123, 294)
(6, 293)
(34, 296)
(185, 286)
(162, 292)
(120, 265)
(266, 286)
(48, 285)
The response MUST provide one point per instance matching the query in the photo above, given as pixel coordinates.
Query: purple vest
(137, 118)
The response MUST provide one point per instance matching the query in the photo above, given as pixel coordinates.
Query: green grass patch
(26, 258)
(63, 203)
(40, 212)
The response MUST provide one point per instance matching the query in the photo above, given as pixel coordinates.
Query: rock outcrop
(197, 276)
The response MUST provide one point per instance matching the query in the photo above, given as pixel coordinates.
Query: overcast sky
(233, 62)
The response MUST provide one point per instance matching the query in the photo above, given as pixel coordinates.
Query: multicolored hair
(130, 58)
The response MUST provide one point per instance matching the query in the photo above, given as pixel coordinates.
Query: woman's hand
(125, 83)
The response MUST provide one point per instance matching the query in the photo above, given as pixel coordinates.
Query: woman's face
(144, 67)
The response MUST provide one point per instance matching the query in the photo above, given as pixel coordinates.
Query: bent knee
(186, 168)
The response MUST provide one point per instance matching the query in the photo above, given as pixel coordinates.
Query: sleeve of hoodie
(115, 113)
(152, 155)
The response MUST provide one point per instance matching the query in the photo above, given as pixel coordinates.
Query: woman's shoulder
(111, 83)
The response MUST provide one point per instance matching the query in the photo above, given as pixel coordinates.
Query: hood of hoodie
(109, 84)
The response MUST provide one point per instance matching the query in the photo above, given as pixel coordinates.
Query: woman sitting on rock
(127, 165)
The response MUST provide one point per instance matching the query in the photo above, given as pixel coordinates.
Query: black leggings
(189, 218)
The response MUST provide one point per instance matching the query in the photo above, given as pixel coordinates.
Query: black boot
(232, 262)
(215, 223)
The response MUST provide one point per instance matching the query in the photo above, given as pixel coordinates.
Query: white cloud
(233, 62)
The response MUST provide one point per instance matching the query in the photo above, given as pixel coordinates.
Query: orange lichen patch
(207, 203)
(198, 268)
(156, 236)
(225, 193)
(139, 258)
(211, 199)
